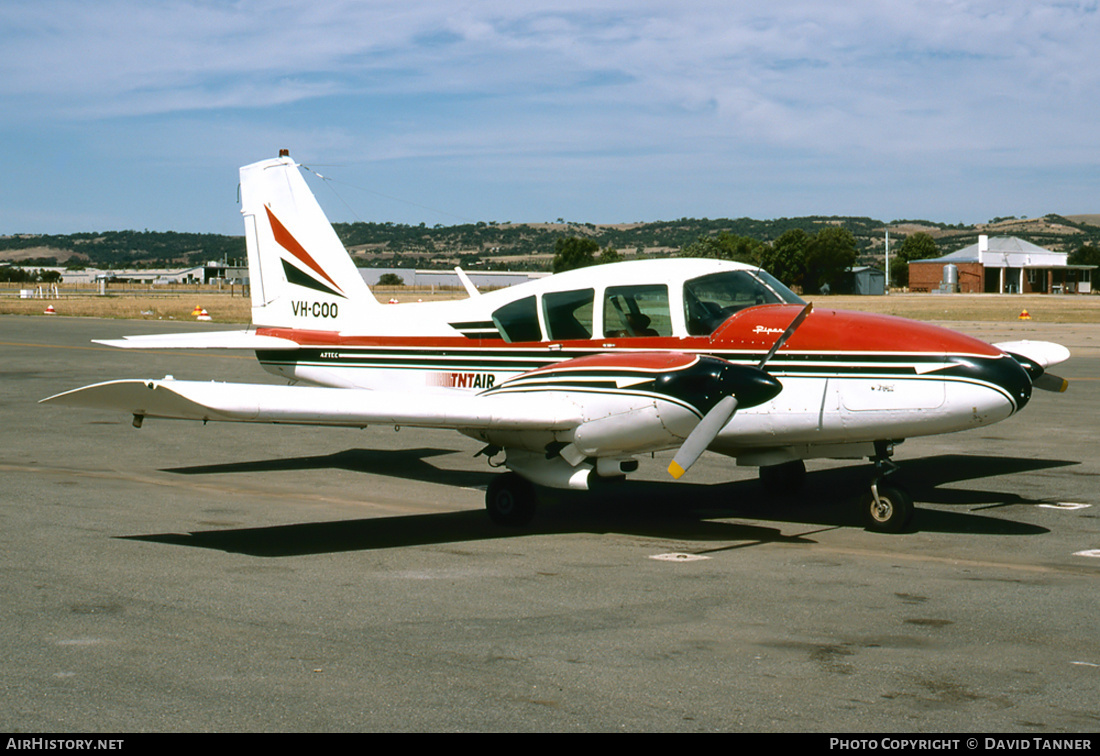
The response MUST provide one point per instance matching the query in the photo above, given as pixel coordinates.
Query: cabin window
(518, 321)
(568, 314)
(710, 300)
(636, 311)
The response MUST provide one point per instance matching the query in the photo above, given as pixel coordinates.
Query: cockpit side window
(518, 321)
(568, 314)
(710, 300)
(636, 311)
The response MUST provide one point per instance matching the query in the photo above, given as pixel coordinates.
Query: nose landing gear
(886, 508)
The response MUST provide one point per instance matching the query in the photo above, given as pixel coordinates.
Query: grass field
(224, 307)
(178, 304)
(1044, 308)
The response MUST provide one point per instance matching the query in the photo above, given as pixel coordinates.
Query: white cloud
(701, 87)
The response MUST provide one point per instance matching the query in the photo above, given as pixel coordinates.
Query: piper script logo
(766, 329)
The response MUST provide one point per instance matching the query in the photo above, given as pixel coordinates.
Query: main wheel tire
(891, 513)
(510, 500)
(786, 479)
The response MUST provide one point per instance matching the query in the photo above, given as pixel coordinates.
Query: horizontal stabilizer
(304, 405)
(208, 340)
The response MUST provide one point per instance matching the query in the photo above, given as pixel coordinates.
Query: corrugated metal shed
(864, 280)
(1004, 252)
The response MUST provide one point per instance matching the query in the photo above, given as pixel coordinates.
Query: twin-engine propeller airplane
(573, 376)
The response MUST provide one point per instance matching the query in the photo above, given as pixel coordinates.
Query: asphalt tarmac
(231, 578)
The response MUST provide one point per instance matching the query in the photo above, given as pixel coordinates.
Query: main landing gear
(783, 480)
(886, 508)
(510, 500)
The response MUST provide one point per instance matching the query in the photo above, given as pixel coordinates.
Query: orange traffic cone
(1024, 316)
(50, 310)
(196, 312)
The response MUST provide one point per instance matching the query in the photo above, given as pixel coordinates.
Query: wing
(210, 340)
(557, 424)
(1044, 353)
(303, 405)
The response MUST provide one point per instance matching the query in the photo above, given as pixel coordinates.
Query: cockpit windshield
(710, 300)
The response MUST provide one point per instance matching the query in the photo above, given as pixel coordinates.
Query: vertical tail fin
(300, 274)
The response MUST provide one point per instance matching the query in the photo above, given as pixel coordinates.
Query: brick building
(1004, 265)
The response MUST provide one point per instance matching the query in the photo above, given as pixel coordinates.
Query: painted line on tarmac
(678, 557)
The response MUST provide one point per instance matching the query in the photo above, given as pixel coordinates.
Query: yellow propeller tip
(676, 471)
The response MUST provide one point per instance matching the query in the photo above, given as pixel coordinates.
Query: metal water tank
(950, 281)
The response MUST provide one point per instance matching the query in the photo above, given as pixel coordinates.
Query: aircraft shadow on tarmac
(672, 510)
(410, 464)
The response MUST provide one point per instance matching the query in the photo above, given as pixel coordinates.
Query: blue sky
(120, 114)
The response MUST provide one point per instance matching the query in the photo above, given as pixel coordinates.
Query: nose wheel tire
(510, 500)
(887, 509)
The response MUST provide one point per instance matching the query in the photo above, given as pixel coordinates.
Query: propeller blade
(1050, 382)
(702, 436)
(787, 333)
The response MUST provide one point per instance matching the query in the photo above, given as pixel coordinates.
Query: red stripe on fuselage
(753, 330)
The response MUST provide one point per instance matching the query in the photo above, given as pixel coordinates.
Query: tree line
(13, 274)
(811, 262)
(804, 251)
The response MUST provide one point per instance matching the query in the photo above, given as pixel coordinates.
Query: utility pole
(887, 287)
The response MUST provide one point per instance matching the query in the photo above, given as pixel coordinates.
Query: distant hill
(120, 249)
(522, 245)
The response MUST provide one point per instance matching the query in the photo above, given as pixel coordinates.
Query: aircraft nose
(1002, 373)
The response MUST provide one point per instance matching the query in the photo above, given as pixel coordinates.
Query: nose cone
(1003, 374)
(1015, 379)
